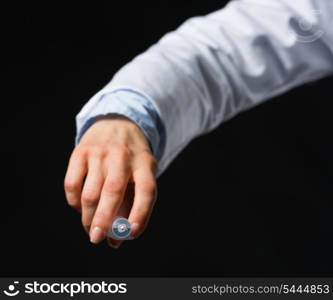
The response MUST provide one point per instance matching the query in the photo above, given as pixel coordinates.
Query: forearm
(213, 67)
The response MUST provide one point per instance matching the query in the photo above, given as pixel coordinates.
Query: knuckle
(148, 187)
(97, 152)
(89, 198)
(71, 186)
(123, 153)
(114, 187)
(146, 159)
(79, 151)
(142, 213)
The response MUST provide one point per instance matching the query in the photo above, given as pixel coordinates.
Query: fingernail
(87, 229)
(134, 230)
(114, 244)
(97, 235)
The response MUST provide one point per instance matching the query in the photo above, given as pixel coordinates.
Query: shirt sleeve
(130, 104)
(216, 66)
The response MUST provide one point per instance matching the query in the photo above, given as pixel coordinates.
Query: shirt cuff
(132, 105)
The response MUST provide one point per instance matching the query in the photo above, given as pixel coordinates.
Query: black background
(252, 198)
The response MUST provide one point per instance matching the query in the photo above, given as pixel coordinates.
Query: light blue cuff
(134, 106)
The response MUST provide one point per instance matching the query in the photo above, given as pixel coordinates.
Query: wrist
(120, 125)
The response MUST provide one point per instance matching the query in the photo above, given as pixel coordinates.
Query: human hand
(111, 173)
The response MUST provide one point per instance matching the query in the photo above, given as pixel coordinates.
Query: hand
(111, 173)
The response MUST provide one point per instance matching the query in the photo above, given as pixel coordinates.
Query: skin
(111, 172)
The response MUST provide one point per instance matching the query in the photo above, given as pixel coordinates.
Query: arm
(214, 67)
(208, 70)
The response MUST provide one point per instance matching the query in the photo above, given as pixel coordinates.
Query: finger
(144, 199)
(92, 190)
(111, 198)
(76, 171)
(123, 211)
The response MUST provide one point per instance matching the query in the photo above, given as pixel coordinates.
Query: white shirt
(216, 66)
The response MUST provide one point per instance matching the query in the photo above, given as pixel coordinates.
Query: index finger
(112, 196)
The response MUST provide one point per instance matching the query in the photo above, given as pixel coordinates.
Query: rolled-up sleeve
(131, 104)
